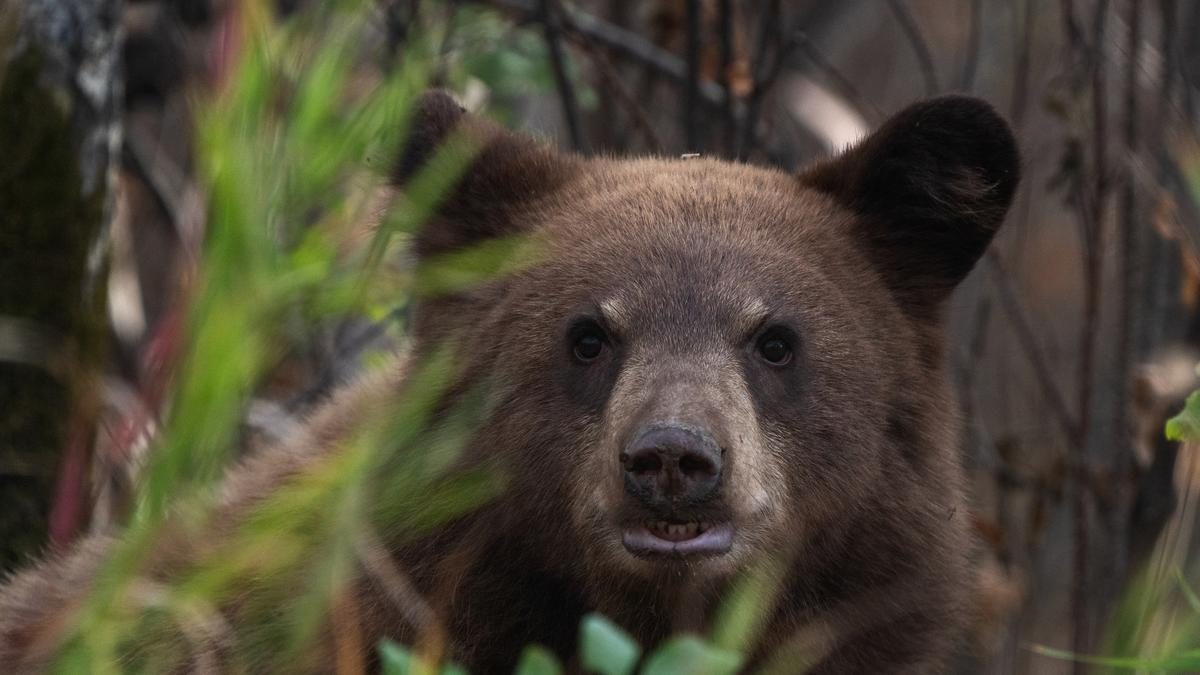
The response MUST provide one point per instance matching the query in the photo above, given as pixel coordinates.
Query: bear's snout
(674, 471)
(672, 464)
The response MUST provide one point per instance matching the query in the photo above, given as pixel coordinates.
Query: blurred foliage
(290, 149)
(294, 149)
(1155, 629)
(606, 649)
(511, 63)
(1186, 425)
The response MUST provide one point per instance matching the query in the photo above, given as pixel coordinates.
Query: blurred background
(1074, 341)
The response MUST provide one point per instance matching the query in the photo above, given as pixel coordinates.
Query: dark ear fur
(931, 187)
(508, 172)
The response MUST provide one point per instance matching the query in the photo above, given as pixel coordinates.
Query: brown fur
(841, 465)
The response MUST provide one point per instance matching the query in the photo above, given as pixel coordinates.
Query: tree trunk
(59, 132)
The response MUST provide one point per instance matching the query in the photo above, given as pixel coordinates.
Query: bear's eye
(775, 347)
(587, 342)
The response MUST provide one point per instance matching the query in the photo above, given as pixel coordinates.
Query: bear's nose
(671, 463)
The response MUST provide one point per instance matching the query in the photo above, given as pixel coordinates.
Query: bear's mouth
(660, 537)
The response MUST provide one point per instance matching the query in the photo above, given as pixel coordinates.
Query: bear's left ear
(929, 188)
(508, 172)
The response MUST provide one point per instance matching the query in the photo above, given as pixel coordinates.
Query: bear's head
(702, 361)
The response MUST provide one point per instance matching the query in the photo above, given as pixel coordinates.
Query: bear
(703, 367)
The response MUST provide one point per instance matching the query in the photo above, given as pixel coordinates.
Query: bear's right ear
(508, 171)
(929, 190)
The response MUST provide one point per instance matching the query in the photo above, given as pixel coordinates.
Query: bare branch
(691, 89)
(1094, 245)
(843, 84)
(974, 40)
(613, 83)
(625, 44)
(1020, 94)
(1026, 336)
(725, 19)
(552, 25)
(920, 47)
(1128, 272)
(399, 588)
(765, 75)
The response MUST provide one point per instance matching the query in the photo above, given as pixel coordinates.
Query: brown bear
(706, 365)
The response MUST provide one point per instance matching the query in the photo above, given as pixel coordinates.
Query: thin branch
(1026, 337)
(399, 16)
(159, 178)
(1094, 243)
(1158, 267)
(72, 504)
(920, 47)
(725, 18)
(613, 83)
(630, 46)
(1020, 94)
(765, 75)
(969, 356)
(552, 25)
(372, 553)
(625, 44)
(1130, 242)
(1093, 214)
(691, 88)
(974, 41)
(844, 85)
(1100, 106)
(449, 10)
(1071, 25)
(1169, 46)
(1191, 29)
(1128, 275)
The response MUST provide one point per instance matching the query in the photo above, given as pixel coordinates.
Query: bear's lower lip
(713, 540)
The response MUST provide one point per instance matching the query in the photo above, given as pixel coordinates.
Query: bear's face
(706, 361)
(706, 354)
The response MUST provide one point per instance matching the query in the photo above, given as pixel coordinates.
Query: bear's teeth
(676, 531)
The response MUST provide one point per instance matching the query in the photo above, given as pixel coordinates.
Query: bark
(59, 135)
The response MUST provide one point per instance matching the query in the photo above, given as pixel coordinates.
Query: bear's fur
(839, 464)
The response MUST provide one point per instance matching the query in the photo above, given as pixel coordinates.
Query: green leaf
(689, 655)
(1185, 661)
(1186, 425)
(746, 608)
(462, 270)
(537, 660)
(398, 660)
(394, 659)
(606, 649)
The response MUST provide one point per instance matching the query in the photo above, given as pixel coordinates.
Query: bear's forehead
(690, 221)
(697, 207)
(703, 195)
(674, 242)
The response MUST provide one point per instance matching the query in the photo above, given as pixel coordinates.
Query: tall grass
(292, 149)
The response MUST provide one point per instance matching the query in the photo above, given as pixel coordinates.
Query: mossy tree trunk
(59, 132)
